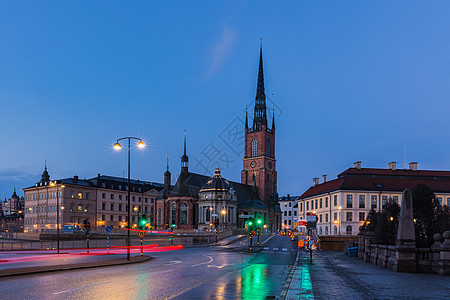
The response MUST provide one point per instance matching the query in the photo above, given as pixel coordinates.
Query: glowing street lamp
(58, 185)
(117, 146)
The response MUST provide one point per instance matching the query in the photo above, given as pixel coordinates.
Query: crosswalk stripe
(275, 249)
(284, 249)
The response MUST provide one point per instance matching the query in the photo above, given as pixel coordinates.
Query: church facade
(195, 201)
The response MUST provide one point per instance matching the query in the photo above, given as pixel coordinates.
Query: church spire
(184, 158)
(273, 119)
(260, 117)
(246, 119)
(167, 154)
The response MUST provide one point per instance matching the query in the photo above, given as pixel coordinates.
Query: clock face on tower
(269, 165)
(253, 164)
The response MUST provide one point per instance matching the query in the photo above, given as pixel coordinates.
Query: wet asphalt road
(222, 272)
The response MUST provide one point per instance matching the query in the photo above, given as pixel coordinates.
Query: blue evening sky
(350, 80)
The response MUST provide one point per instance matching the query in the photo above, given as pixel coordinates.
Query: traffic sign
(141, 234)
(311, 218)
(108, 228)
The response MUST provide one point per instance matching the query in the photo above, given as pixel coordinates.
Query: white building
(342, 204)
(289, 212)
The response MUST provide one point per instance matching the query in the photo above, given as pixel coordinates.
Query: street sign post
(141, 234)
(108, 230)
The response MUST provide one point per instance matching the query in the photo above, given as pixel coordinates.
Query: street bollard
(87, 242)
(142, 249)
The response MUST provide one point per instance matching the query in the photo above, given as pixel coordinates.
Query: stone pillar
(369, 239)
(444, 258)
(405, 260)
(435, 252)
(361, 245)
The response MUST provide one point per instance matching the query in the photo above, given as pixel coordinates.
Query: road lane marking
(284, 249)
(211, 259)
(266, 248)
(174, 262)
(267, 239)
(81, 288)
(275, 249)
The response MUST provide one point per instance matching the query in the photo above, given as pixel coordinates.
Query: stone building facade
(101, 200)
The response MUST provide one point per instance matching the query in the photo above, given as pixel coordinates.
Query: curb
(44, 269)
(287, 285)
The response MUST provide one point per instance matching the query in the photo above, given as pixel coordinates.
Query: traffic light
(259, 222)
(216, 223)
(86, 224)
(142, 221)
(167, 225)
(174, 225)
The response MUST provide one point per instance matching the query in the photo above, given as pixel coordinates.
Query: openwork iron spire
(260, 117)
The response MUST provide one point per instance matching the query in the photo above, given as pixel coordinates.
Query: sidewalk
(334, 275)
(73, 266)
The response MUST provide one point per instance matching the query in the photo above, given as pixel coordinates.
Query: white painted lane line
(275, 249)
(268, 239)
(81, 288)
(211, 259)
(284, 249)
(266, 248)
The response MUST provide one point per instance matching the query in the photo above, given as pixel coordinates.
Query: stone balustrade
(435, 259)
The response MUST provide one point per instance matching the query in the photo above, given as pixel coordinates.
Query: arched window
(320, 230)
(348, 230)
(326, 230)
(173, 213)
(184, 213)
(268, 148)
(254, 148)
(335, 230)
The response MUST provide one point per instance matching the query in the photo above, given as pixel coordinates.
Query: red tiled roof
(382, 180)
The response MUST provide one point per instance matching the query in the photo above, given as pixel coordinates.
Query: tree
(386, 227)
(424, 206)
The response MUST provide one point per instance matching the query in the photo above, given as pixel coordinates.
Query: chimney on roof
(289, 197)
(315, 181)
(393, 165)
(357, 165)
(98, 175)
(324, 178)
(75, 178)
(413, 166)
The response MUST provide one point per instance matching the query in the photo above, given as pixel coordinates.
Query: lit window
(80, 195)
(373, 201)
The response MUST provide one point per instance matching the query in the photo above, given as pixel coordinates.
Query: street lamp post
(117, 146)
(339, 228)
(58, 185)
(224, 212)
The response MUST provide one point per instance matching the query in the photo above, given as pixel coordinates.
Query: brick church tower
(259, 163)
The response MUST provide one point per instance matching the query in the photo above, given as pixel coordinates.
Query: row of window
(133, 198)
(289, 212)
(121, 207)
(318, 203)
(42, 196)
(43, 209)
(348, 217)
(120, 187)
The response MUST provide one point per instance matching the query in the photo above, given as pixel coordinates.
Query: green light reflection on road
(254, 282)
(306, 291)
